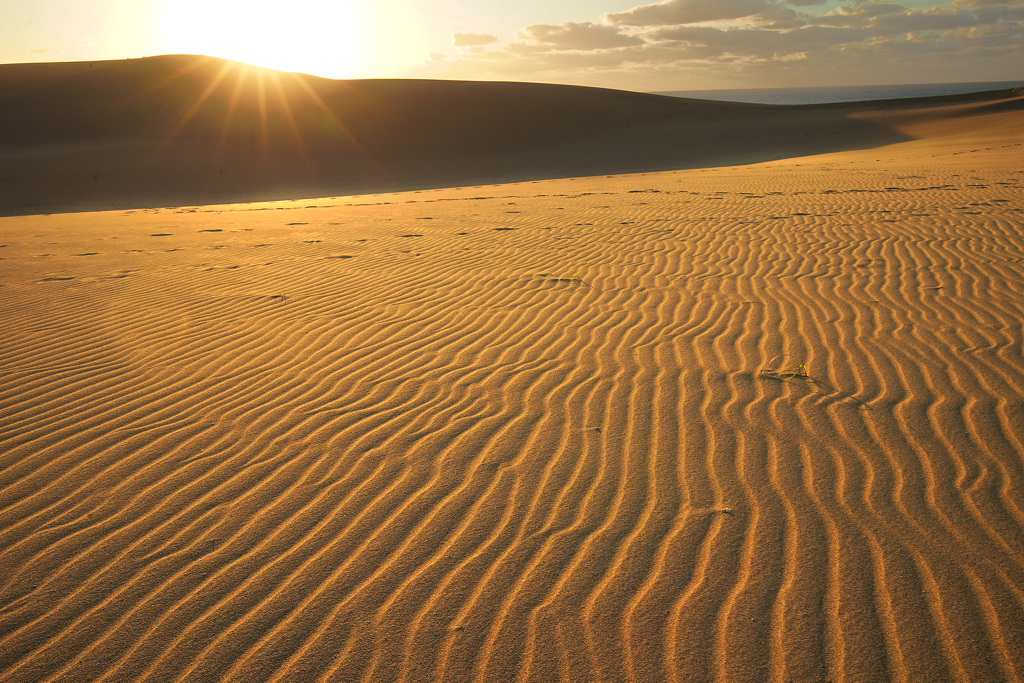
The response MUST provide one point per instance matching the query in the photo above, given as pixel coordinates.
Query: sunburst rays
(268, 114)
(183, 121)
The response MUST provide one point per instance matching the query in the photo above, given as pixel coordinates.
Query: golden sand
(530, 431)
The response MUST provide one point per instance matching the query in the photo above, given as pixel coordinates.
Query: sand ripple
(525, 432)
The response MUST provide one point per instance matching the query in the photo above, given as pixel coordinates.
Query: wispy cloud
(473, 39)
(674, 12)
(572, 36)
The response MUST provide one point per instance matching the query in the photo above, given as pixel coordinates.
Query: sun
(320, 37)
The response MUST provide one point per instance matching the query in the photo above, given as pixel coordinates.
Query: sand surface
(530, 431)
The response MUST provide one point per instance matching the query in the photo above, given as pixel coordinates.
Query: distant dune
(177, 130)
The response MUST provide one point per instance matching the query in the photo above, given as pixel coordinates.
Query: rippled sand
(530, 431)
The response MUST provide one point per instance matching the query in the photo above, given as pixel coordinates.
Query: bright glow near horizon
(321, 37)
(630, 44)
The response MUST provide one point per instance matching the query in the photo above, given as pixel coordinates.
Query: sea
(850, 93)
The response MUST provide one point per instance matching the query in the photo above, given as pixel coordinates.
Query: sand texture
(532, 431)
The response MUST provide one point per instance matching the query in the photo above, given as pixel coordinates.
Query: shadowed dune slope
(186, 129)
(529, 432)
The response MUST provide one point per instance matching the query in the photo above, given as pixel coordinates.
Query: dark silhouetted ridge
(183, 129)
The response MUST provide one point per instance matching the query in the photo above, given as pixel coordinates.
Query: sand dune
(530, 431)
(182, 129)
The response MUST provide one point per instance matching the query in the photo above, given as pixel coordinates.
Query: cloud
(888, 19)
(988, 3)
(870, 9)
(745, 43)
(992, 15)
(573, 36)
(858, 15)
(705, 42)
(923, 21)
(472, 39)
(779, 18)
(677, 12)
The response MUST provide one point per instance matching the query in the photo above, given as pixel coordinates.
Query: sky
(669, 45)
